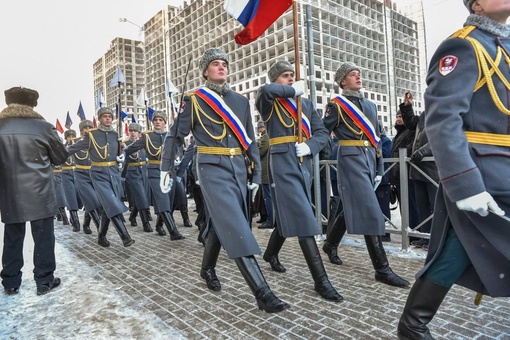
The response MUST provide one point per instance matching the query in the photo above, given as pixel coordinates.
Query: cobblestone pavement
(162, 277)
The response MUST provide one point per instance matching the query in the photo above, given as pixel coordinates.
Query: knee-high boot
(103, 229)
(383, 272)
(86, 223)
(149, 214)
(314, 261)
(145, 220)
(132, 216)
(159, 226)
(75, 221)
(185, 218)
(273, 249)
(170, 225)
(422, 304)
(211, 252)
(335, 233)
(266, 300)
(96, 218)
(121, 229)
(63, 215)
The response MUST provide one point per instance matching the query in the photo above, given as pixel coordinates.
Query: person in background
(467, 124)
(383, 190)
(263, 144)
(27, 189)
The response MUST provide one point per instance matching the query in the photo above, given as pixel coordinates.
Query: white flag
(100, 101)
(142, 98)
(170, 88)
(118, 77)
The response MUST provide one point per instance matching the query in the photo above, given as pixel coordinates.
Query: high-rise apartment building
(129, 55)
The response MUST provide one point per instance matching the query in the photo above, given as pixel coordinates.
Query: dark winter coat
(421, 144)
(403, 139)
(29, 146)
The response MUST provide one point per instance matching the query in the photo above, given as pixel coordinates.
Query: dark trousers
(413, 211)
(268, 202)
(44, 252)
(425, 198)
(383, 197)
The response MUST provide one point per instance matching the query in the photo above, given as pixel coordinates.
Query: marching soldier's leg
(132, 216)
(96, 218)
(86, 223)
(75, 221)
(383, 272)
(335, 233)
(185, 217)
(273, 249)
(149, 214)
(211, 252)
(170, 225)
(144, 216)
(314, 261)
(122, 231)
(103, 229)
(266, 300)
(159, 226)
(63, 215)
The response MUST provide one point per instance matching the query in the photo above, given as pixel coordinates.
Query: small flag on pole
(118, 77)
(123, 114)
(126, 129)
(80, 112)
(150, 112)
(59, 127)
(255, 15)
(94, 121)
(100, 101)
(171, 89)
(69, 122)
(142, 98)
(133, 119)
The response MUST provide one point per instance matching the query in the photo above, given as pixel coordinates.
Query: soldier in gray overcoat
(72, 199)
(290, 175)
(103, 146)
(467, 124)
(59, 193)
(221, 123)
(152, 142)
(84, 184)
(353, 119)
(136, 179)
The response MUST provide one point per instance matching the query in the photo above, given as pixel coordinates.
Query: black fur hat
(21, 95)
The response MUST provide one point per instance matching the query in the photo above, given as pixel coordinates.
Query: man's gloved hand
(302, 149)
(121, 157)
(299, 87)
(377, 180)
(417, 156)
(254, 187)
(165, 181)
(481, 204)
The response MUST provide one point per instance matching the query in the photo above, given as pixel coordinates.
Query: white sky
(51, 45)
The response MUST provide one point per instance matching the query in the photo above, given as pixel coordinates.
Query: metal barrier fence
(402, 162)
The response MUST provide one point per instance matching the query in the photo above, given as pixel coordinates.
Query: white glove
(480, 204)
(299, 87)
(165, 182)
(377, 181)
(254, 187)
(302, 149)
(121, 158)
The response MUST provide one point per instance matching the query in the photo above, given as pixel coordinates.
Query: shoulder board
(147, 131)
(463, 32)
(94, 129)
(189, 94)
(125, 140)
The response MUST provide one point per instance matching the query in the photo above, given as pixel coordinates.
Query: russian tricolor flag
(255, 15)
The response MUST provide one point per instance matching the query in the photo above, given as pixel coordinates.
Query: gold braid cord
(149, 147)
(198, 111)
(352, 129)
(97, 147)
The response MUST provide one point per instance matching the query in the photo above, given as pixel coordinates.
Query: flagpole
(297, 73)
(119, 113)
(147, 127)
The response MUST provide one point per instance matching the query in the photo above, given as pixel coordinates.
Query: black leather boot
(75, 221)
(145, 221)
(314, 261)
(159, 226)
(103, 229)
(149, 215)
(96, 217)
(122, 231)
(170, 225)
(86, 223)
(422, 304)
(266, 300)
(211, 252)
(274, 245)
(63, 215)
(383, 272)
(335, 231)
(132, 217)
(185, 218)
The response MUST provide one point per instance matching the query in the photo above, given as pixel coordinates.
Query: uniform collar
(220, 89)
(488, 25)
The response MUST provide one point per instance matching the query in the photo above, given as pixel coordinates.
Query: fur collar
(19, 111)
(488, 25)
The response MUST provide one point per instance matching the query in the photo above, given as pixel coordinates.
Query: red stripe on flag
(59, 127)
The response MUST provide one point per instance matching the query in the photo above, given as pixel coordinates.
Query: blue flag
(100, 101)
(133, 119)
(150, 112)
(80, 112)
(123, 114)
(69, 122)
(118, 77)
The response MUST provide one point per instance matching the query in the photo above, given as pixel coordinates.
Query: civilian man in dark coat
(27, 188)
(467, 123)
(221, 123)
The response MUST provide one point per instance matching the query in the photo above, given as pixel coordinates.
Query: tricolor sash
(359, 118)
(290, 106)
(221, 108)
